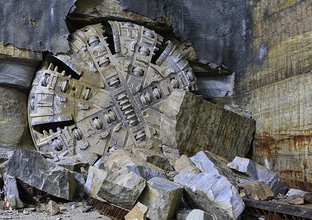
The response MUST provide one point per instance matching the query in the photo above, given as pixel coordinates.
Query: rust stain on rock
(296, 179)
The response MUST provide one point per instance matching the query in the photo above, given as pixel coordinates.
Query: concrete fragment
(32, 168)
(137, 213)
(121, 187)
(136, 164)
(192, 124)
(162, 197)
(52, 208)
(212, 193)
(256, 190)
(306, 196)
(197, 214)
(185, 164)
(12, 193)
(259, 173)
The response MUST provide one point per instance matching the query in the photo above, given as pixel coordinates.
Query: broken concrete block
(136, 164)
(259, 173)
(162, 197)
(137, 213)
(32, 168)
(153, 157)
(255, 190)
(192, 124)
(214, 194)
(52, 208)
(185, 164)
(197, 214)
(12, 193)
(121, 187)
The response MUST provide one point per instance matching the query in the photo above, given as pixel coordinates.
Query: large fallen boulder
(134, 163)
(212, 193)
(117, 185)
(162, 197)
(32, 168)
(192, 124)
(259, 173)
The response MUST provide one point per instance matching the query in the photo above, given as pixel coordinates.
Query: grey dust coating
(105, 93)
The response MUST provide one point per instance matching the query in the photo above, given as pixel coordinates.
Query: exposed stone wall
(276, 88)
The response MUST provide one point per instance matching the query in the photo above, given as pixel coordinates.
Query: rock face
(32, 168)
(212, 193)
(192, 124)
(121, 187)
(13, 118)
(162, 197)
(259, 173)
(185, 164)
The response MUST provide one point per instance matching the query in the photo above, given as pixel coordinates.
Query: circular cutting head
(105, 93)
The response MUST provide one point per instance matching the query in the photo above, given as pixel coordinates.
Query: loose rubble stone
(192, 124)
(162, 197)
(121, 187)
(52, 208)
(12, 193)
(171, 153)
(32, 168)
(256, 190)
(208, 162)
(153, 157)
(306, 196)
(136, 164)
(212, 193)
(137, 213)
(197, 214)
(181, 214)
(95, 178)
(185, 164)
(259, 173)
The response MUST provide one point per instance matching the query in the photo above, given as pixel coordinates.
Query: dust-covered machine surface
(105, 93)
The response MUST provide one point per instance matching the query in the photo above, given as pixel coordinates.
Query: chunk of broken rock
(256, 190)
(137, 213)
(185, 164)
(153, 157)
(197, 214)
(137, 165)
(259, 173)
(52, 208)
(212, 193)
(120, 186)
(162, 197)
(32, 168)
(192, 124)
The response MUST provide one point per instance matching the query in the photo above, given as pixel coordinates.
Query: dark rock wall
(218, 29)
(37, 25)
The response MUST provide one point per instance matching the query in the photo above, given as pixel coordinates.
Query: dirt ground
(71, 210)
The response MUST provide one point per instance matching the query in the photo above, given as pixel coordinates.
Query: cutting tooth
(51, 66)
(45, 133)
(56, 68)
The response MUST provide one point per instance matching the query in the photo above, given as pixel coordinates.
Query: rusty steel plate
(105, 93)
